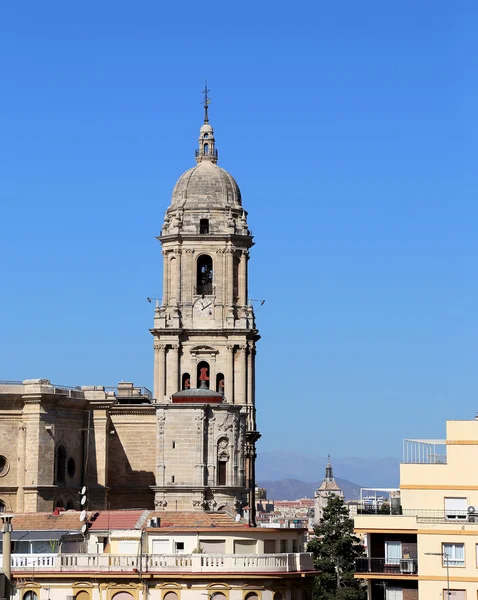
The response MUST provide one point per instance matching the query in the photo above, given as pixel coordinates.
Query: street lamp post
(445, 556)
(7, 559)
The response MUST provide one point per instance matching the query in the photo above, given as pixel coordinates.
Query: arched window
(204, 275)
(82, 596)
(203, 374)
(70, 505)
(123, 596)
(59, 503)
(60, 464)
(220, 383)
(2, 506)
(252, 596)
(30, 595)
(205, 136)
(186, 381)
(278, 596)
(170, 596)
(206, 148)
(204, 226)
(222, 460)
(71, 467)
(218, 596)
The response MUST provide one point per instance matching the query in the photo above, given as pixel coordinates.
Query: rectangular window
(454, 554)
(393, 553)
(161, 547)
(179, 547)
(456, 508)
(222, 472)
(128, 547)
(283, 546)
(269, 546)
(454, 594)
(393, 593)
(213, 546)
(244, 546)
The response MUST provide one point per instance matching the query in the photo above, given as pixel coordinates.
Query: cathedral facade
(188, 445)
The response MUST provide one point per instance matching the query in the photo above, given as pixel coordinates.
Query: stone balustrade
(156, 563)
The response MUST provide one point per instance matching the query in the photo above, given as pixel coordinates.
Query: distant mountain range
(286, 473)
(294, 489)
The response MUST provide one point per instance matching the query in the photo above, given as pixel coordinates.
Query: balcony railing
(154, 563)
(424, 452)
(405, 566)
(422, 515)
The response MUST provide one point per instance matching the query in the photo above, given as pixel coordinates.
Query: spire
(207, 101)
(328, 470)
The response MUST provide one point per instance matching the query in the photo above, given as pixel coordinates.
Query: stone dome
(206, 186)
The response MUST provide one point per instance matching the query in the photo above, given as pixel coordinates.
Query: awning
(39, 536)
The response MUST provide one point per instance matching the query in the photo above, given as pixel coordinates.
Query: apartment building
(426, 546)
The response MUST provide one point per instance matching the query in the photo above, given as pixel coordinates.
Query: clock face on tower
(204, 307)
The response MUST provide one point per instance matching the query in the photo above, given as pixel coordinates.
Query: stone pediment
(205, 350)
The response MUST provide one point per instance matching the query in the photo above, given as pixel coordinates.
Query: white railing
(152, 563)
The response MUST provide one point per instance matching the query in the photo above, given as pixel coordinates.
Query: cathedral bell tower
(205, 338)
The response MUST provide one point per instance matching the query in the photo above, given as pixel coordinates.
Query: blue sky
(352, 131)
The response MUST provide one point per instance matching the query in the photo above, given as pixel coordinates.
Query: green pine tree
(335, 549)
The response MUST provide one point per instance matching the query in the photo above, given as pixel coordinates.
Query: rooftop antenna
(207, 102)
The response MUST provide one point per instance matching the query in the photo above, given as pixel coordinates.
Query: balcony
(405, 566)
(421, 515)
(424, 452)
(161, 563)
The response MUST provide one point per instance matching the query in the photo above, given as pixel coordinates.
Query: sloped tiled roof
(197, 520)
(329, 485)
(107, 520)
(65, 521)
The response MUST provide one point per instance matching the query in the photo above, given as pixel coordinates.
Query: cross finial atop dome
(207, 101)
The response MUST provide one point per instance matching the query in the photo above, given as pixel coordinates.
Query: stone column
(191, 274)
(20, 503)
(242, 276)
(212, 372)
(159, 370)
(230, 276)
(173, 378)
(240, 375)
(229, 382)
(165, 279)
(250, 373)
(178, 275)
(224, 277)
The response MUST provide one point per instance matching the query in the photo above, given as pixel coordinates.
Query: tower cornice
(210, 237)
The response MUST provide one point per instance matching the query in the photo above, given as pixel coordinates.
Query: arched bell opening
(220, 383)
(204, 275)
(203, 374)
(186, 381)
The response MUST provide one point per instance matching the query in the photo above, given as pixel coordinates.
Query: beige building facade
(426, 547)
(189, 444)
